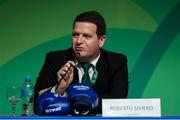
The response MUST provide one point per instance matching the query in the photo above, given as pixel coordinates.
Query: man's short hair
(95, 18)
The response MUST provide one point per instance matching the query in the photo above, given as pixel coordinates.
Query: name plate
(131, 107)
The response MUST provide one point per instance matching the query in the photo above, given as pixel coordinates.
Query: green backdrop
(147, 31)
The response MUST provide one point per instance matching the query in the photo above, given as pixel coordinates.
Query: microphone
(62, 77)
(77, 56)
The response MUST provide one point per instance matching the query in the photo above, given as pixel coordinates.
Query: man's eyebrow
(75, 33)
(87, 34)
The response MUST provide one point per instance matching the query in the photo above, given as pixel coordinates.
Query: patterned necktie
(86, 78)
(95, 75)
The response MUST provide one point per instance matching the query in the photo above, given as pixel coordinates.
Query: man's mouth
(79, 49)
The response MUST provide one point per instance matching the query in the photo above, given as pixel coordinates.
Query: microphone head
(77, 55)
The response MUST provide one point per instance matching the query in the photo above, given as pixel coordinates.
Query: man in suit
(108, 72)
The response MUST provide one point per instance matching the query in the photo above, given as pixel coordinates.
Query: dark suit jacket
(112, 81)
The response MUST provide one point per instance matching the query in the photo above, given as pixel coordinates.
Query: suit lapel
(102, 68)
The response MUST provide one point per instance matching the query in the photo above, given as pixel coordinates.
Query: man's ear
(102, 40)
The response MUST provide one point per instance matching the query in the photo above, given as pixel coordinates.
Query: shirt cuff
(53, 89)
(64, 94)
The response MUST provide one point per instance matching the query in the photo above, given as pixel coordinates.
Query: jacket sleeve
(47, 78)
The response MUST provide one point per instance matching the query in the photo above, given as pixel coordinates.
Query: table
(87, 118)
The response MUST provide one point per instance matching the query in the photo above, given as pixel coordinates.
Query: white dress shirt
(81, 70)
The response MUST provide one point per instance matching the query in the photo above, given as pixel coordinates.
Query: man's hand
(65, 76)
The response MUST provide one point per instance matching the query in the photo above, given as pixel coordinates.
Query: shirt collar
(94, 62)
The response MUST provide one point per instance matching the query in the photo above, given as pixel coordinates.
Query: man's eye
(87, 36)
(75, 35)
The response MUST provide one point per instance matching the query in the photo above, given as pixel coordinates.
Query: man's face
(86, 42)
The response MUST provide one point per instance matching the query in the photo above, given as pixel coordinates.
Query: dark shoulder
(114, 57)
(60, 55)
(111, 54)
(55, 53)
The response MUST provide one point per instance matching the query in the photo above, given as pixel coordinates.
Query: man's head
(95, 18)
(89, 35)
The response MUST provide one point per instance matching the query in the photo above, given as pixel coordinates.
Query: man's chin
(83, 59)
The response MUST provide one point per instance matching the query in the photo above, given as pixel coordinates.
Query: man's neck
(93, 61)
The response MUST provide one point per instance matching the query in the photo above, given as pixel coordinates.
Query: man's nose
(80, 39)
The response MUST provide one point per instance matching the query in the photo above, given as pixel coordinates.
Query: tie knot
(86, 66)
(86, 78)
